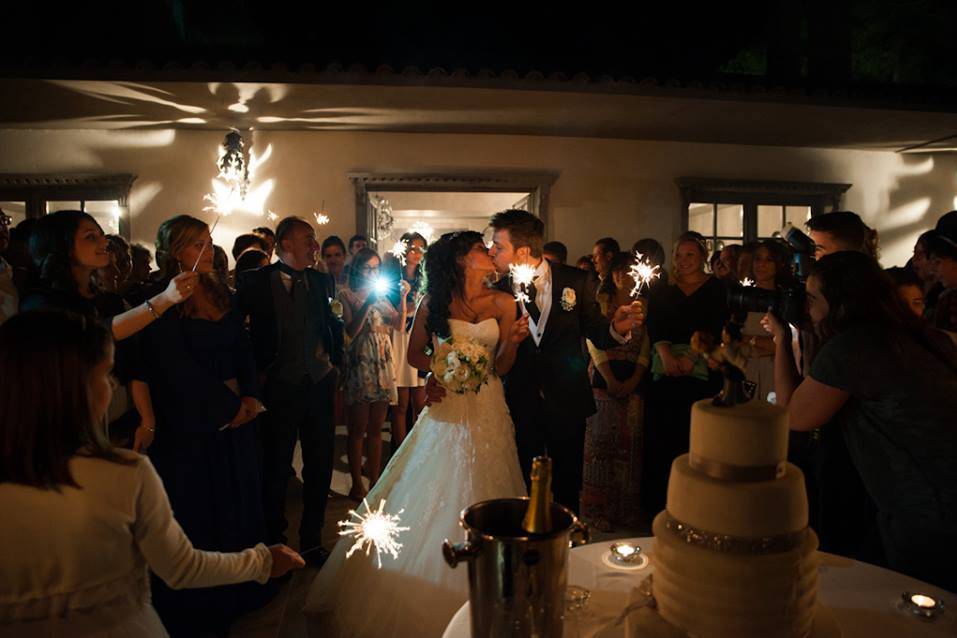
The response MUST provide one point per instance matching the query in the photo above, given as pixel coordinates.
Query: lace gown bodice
(460, 452)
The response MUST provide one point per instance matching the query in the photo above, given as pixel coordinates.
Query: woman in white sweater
(83, 521)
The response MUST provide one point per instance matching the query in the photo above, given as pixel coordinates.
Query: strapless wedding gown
(461, 451)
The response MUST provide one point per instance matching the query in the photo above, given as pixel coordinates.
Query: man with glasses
(9, 298)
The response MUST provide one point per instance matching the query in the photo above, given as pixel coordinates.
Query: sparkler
(423, 229)
(747, 282)
(643, 273)
(321, 218)
(399, 249)
(376, 529)
(522, 276)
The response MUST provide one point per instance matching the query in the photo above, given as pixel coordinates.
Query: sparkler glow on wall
(231, 188)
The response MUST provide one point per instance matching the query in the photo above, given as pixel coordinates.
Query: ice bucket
(516, 579)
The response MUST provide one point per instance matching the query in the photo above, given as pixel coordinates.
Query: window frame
(35, 190)
(819, 197)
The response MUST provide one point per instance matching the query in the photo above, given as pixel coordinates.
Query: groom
(547, 390)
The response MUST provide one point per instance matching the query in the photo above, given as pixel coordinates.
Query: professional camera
(803, 247)
(788, 302)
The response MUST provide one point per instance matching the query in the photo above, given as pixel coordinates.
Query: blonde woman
(693, 300)
(198, 363)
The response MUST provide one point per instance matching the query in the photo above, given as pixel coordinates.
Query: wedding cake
(734, 555)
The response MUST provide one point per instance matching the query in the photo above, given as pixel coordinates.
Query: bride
(461, 451)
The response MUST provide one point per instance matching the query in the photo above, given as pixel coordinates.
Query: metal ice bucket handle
(579, 535)
(459, 552)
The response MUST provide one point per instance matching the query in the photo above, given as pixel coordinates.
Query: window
(16, 210)
(104, 197)
(107, 213)
(737, 212)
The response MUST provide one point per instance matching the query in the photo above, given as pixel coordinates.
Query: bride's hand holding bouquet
(461, 365)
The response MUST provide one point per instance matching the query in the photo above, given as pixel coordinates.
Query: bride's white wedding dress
(461, 451)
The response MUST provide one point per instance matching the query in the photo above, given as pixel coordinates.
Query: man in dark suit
(298, 346)
(547, 390)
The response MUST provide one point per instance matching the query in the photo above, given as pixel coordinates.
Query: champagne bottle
(538, 517)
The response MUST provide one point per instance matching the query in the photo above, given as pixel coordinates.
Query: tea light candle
(922, 605)
(626, 555)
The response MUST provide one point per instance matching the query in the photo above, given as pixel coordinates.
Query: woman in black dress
(888, 384)
(68, 247)
(199, 366)
(692, 301)
(70, 251)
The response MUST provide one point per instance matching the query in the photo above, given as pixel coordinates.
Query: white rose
(449, 377)
(453, 361)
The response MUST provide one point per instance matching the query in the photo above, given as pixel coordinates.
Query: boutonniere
(336, 307)
(568, 299)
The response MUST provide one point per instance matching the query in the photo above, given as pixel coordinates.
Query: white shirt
(542, 280)
(74, 561)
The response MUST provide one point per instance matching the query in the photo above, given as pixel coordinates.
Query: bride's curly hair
(444, 277)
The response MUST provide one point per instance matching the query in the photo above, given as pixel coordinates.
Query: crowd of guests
(220, 372)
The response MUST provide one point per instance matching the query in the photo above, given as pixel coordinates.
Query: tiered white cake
(734, 555)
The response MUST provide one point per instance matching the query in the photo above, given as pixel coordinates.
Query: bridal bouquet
(461, 365)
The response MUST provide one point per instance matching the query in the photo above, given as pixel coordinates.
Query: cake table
(861, 598)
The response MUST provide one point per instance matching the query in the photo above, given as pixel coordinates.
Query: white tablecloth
(861, 598)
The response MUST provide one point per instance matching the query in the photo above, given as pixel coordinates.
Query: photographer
(770, 270)
(369, 318)
(891, 386)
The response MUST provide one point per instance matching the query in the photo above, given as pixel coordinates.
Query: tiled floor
(283, 617)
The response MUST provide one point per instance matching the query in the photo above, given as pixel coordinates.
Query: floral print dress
(370, 361)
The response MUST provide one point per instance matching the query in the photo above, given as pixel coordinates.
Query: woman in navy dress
(198, 363)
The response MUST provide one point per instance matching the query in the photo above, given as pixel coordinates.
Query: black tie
(531, 306)
(298, 285)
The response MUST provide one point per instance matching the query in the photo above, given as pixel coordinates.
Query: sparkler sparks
(643, 273)
(399, 249)
(376, 529)
(423, 229)
(522, 276)
(321, 219)
(747, 282)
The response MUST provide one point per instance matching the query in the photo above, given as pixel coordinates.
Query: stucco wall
(606, 187)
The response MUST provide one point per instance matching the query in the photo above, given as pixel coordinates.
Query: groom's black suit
(547, 390)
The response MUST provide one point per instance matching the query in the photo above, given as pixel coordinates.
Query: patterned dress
(613, 438)
(369, 360)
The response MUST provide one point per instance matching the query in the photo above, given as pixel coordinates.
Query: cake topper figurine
(731, 357)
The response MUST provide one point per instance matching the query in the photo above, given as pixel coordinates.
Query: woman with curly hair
(461, 451)
(199, 367)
